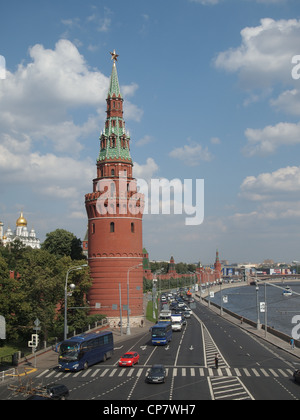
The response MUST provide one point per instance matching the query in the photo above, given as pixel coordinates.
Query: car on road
(157, 375)
(187, 314)
(296, 376)
(129, 359)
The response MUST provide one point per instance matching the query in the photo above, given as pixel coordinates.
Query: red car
(129, 359)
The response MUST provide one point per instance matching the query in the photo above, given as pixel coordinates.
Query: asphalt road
(249, 369)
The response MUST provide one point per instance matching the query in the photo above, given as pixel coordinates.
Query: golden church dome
(21, 221)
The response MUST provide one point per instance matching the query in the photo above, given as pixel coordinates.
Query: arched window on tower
(112, 227)
(112, 189)
(132, 227)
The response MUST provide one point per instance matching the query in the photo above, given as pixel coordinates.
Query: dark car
(157, 374)
(296, 376)
(51, 392)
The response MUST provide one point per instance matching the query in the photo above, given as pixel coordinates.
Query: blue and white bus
(161, 333)
(84, 350)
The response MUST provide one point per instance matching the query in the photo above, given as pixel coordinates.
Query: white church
(21, 233)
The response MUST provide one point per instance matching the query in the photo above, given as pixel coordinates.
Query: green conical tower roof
(114, 87)
(114, 138)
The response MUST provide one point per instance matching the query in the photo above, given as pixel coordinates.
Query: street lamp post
(72, 287)
(128, 332)
(258, 326)
(266, 311)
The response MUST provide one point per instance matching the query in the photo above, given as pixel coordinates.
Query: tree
(63, 244)
(37, 291)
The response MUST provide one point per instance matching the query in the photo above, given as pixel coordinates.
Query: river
(280, 309)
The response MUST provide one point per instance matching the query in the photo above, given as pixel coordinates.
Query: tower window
(93, 228)
(112, 227)
(132, 227)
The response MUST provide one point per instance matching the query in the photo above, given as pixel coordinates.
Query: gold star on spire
(114, 56)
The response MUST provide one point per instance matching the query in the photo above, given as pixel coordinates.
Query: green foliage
(37, 291)
(149, 312)
(181, 268)
(63, 244)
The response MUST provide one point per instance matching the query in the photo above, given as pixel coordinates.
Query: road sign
(37, 322)
(262, 306)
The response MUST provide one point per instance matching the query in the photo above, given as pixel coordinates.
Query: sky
(211, 92)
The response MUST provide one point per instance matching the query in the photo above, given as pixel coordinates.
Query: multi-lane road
(249, 369)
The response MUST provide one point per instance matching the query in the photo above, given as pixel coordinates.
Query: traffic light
(34, 340)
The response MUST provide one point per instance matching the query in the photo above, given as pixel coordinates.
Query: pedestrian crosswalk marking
(255, 372)
(95, 373)
(237, 372)
(274, 373)
(112, 373)
(264, 372)
(247, 372)
(183, 371)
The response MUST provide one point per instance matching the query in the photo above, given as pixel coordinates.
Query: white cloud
(192, 154)
(264, 56)
(215, 140)
(267, 140)
(39, 98)
(288, 101)
(145, 140)
(206, 2)
(285, 182)
(146, 171)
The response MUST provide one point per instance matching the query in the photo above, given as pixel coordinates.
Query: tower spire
(114, 140)
(114, 88)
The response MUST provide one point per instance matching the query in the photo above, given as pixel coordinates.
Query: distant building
(21, 233)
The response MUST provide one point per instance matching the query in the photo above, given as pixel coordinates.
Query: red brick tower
(172, 269)
(114, 209)
(218, 266)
